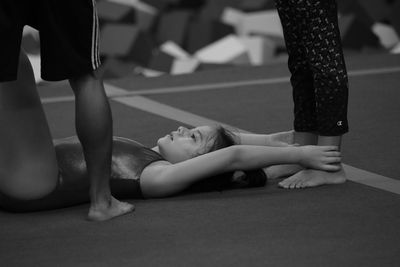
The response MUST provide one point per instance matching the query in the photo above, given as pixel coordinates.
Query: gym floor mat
(345, 225)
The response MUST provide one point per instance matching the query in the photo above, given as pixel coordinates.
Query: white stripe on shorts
(95, 38)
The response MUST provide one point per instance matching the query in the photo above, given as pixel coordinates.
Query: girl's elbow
(155, 188)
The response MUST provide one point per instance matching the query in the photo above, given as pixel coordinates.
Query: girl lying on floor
(183, 159)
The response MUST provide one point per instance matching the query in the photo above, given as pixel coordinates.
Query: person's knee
(35, 179)
(23, 59)
(83, 81)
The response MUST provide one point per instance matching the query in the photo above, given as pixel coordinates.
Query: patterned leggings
(319, 76)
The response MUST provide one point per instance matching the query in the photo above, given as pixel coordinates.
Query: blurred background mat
(133, 33)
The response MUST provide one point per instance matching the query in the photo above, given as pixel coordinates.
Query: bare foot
(281, 171)
(312, 178)
(113, 209)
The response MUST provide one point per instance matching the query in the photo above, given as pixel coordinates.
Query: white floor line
(111, 91)
(151, 106)
(58, 99)
(114, 91)
(355, 73)
(224, 85)
(372, 179)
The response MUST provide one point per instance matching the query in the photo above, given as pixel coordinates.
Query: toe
(282, 184)
(299, 184)
(292, 185)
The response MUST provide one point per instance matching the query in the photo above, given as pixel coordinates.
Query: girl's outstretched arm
(162, 178)
(315, 157)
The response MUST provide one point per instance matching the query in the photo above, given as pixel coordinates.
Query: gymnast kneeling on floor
(183, 159)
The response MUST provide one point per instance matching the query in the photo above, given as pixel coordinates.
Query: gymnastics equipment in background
(198, 28)
(154, 37)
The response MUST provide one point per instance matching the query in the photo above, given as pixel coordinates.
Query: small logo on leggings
(339, 123)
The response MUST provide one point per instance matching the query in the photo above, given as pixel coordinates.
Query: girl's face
(184, 144)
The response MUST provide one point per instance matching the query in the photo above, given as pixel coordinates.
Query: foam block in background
(213, 9)
(261, 50)
(379, 10)
(115, 12)
(137, 4)
(161, 61)
(151, 73)
(145, 20)
(193, 4)
(158, 4)
(242, 59)
(394, 16)
(263, 22)
(353, 7)
(232, 16)
(145, 14)
(355, 34)
(117, 39)
(142, 50)
(184, 66)
(172, 26)
(126, 41)
(174, 50)
(395, 49)
(201, 33)
(257, 5)
(386, 34)
(185, 27)
(112, 68)
(226, 50)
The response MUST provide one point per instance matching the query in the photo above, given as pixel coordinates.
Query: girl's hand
(326, 158)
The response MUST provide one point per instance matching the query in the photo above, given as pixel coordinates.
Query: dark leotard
(128, 161)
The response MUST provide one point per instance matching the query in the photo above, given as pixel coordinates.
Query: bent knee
(28, 184)
(79, 80)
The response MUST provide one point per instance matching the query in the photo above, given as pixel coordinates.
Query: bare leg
(94, 129)
(281, 171)
(305, 138)
(285, 170)
(332, 177)
(311, 178)
(28, 165)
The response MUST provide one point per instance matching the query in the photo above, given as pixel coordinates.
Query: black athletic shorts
(68, 36)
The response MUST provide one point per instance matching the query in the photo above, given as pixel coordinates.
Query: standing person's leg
(305, 120)
(325, 56)
(69, 46)
(94, 128)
